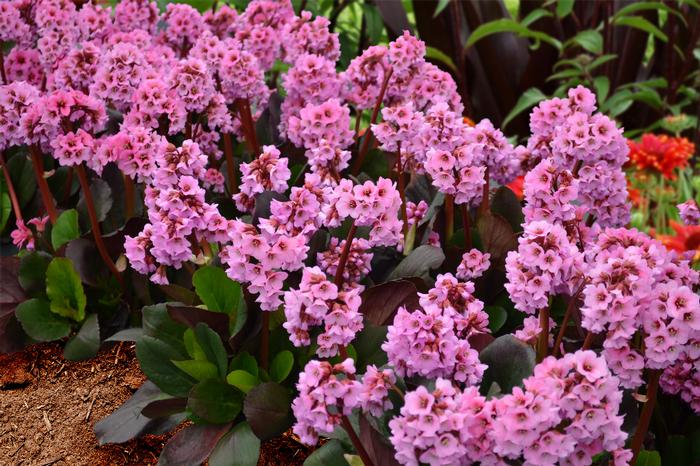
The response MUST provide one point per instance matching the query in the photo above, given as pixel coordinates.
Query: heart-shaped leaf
(218, 292)
(242, 380)
(215, 401)
(64, 289)
(281, 366)
(267, 409)
(192, 445)
(509, 361)
(65, 229)
(40, 323)
(240, 447)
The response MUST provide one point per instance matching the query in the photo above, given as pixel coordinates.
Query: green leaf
(534, 15)
(439, 55)
(65, 229)
(86, 343)
(442, 4)
(529, 99)
(510, 25)
(641, 23)
(267, 408)
(509, 361)
(215, 401)
(244, 361)
(618, 103)
(375, 25)
(281, 365)
(648, 458)
(212, 346)
(330, 454)
(218, 292)
(590, 40)
(564, 8)
(497, 317)
(64, 289)
(39, 322)
(5, 208)
(601, 60)
(679, 450)
(193, 348)
(419, 262)
(156, 358)
(200, 370)
(602, 87)
(641, 6)
(239, 447)
(158, 324)
(32, 272)
(242, 380)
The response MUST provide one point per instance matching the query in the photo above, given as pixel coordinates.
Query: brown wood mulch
(48, 407)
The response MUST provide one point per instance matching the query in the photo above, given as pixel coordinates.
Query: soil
(48, 407)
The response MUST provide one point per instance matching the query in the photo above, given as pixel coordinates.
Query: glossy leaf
(378, 448)
(86, 343)
(267, 409)
(496, 235)
(128, 422)
(641, 23)
(158, 324)
(239, 447)
(509, 361)
(442, 4)
(590, 40)
(648, 458)
(192, 445)
(419, 262)
(510, 25)
(380, 302)
(12, 338)
(102, 196)
(439, 55)
(242, 380)
(64, 289)
(528, 99)
(281, 366)
(199, 370)
(65, 229)
(215, 401)
(330, 453)
(244, 361)
(155, 357)
(213, 347)
(218, 292)
(5, 207)
(40, 323)
(564, 8)
(32, 272)
(497, 317)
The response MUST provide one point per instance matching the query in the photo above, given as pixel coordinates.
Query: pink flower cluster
(636, 285)
(24, 235)
(358, 261)
(689, 212)
(319, 302)
(546, 263)
(683, 377)
(432, 342)
(572, 137)
(268, 172)
(550, 194)
(473, 265)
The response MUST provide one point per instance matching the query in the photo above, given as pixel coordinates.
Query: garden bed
(48, 407)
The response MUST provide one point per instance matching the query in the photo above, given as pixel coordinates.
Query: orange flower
(468, 121)
(661, 153)
(687, 238)
(634, 194)
(517, 187)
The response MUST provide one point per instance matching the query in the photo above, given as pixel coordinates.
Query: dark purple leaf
(378, 448)
(11, 294)
(394, 16)
(380, 303)
(496, 235)
(179, 293)
(191, 316)
(192, 445)
(164, 408)
(267, 410)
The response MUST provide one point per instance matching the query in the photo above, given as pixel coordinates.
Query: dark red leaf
(380, 303)
(192, 445)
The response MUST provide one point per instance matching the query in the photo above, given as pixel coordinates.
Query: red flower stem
(344, 256)
(544, 334)
(368, 134)
(588, 342)
(402, 193)
(565, 320)
(484, 208)
(11, 189)
(265, 341)
(356, 442)
(643, 424)
(358, 119)
(129, 197)
(247, 125)
(90, 204)
(466, 222)
(46, 196)
(230, 167)
(449, 217)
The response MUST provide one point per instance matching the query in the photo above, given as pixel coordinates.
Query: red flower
(687, 238)
(661, 153)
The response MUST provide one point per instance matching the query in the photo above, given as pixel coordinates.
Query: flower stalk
(11, 190)
(46, 196)
(643, 424)
(368, 134)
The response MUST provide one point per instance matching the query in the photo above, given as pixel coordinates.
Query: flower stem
(402, 193)
(643, 424)
(544, 334)
(230, 167)
(449, 217)
(129, 197)
(244, 113)
(588, 342)
(344, 256)
(466, 222)
(90, 204)
(356, 442)
(46, 196)
(368, 134)
(11, 189)
(484, 208)
(265, 341)
(565, 320)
